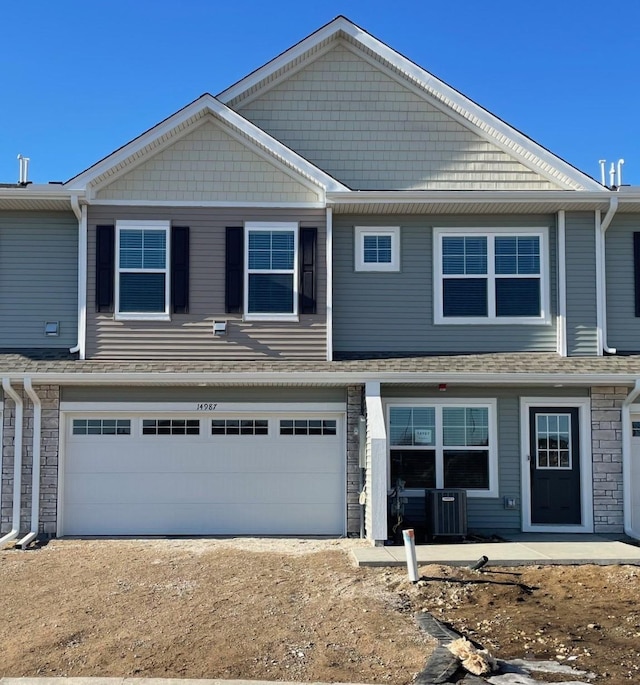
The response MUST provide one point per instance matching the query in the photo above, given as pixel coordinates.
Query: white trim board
(191, 407)
(583, 404)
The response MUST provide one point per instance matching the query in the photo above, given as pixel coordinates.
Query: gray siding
(623, 331)
(190, 336)
(403, 142)
(393, 312)
(38, 278)
(582, 335)
(488, 515)
(276, 395)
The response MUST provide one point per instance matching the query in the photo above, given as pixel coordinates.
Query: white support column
(376, 465)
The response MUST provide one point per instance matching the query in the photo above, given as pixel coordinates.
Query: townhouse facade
(338, 279)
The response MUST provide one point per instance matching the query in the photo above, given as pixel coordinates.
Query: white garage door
(277, 474)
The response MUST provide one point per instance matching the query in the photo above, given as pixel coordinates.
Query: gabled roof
(435, 91)
(167, 131)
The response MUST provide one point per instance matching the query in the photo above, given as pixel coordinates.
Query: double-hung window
(444, 445)
(491, 276)
(142, 273)
(271, 285)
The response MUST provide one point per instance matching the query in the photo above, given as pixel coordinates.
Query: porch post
(376, 517)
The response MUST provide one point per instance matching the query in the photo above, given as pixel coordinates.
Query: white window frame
(361, 232)
(144, 226)
(254, 226)
(542, 233)
(490, 404)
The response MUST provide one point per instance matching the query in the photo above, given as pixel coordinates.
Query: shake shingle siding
(582, 337)
(190, 336)
(393, 311)
(38, 278)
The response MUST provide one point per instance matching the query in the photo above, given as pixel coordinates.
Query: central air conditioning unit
(446, 512)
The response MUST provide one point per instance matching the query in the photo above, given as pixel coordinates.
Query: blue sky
(79, 78)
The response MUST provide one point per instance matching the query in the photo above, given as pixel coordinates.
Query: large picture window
(271, 274)
(497, 276)
(444, 445)
(142, 258)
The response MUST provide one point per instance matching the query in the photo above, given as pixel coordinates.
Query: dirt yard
(294, 610)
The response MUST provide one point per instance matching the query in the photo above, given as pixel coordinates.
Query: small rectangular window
(170, 427)
(239, 427)
(308, 427)
(636, 429)
(101, 427)
(377, 249)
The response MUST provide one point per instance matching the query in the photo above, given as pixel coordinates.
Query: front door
(554, 462)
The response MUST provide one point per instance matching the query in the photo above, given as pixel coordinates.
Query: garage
(252, 473)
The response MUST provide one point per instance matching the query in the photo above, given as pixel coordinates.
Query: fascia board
(493, 127)
(325, 378)
(39, 192)
(365, 197)
(207, 104)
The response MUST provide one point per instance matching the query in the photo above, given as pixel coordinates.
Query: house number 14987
(206, 406)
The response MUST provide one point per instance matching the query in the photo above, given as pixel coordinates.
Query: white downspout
(35, 468)
(601, 282)
(562, 285)
(81, 214)
(626, 460)
(329, 284)
(17, 463)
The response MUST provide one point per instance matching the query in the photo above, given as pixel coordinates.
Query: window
(142, 281)
(377, 249)
(444, 445)
(271, 290)
(307, 427)
(496, 276)
(101, 427)
(170, 427)
(239, 427)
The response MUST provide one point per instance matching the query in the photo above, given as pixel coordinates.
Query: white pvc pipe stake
(410, 548)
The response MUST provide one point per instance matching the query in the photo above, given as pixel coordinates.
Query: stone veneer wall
(606, 439)
(355, 394)
(50, 397)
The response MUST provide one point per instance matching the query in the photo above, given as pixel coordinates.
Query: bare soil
(270, 609)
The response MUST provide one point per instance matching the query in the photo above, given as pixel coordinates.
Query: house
(340, 273)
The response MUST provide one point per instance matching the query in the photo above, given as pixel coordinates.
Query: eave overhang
(52, 198)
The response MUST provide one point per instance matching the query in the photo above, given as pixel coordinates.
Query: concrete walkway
(519, 550)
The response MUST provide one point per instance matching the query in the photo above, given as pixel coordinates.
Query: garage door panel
(178, 488)
(205, 484)
(195, 519)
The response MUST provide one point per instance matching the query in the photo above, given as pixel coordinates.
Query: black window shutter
(180, 269)
(234, 270)
(636, 270)
(308, 240)
(105, 267)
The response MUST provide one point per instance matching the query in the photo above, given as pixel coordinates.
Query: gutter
(601, 275)
(626, 460)
(35, 467)
(81, 214)
(17, 463)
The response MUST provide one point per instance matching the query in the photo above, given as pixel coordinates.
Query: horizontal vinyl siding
(365, 128)
(582, 332)
(393, 312)
(488, 515)
(38, 278)
(212, 394)
(190, 336)
(207, 164)
(623, 330)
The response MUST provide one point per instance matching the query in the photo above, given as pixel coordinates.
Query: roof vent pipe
(17, 463)
(23, 174)
(612, 176)
(603, 173)
(620, 163)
